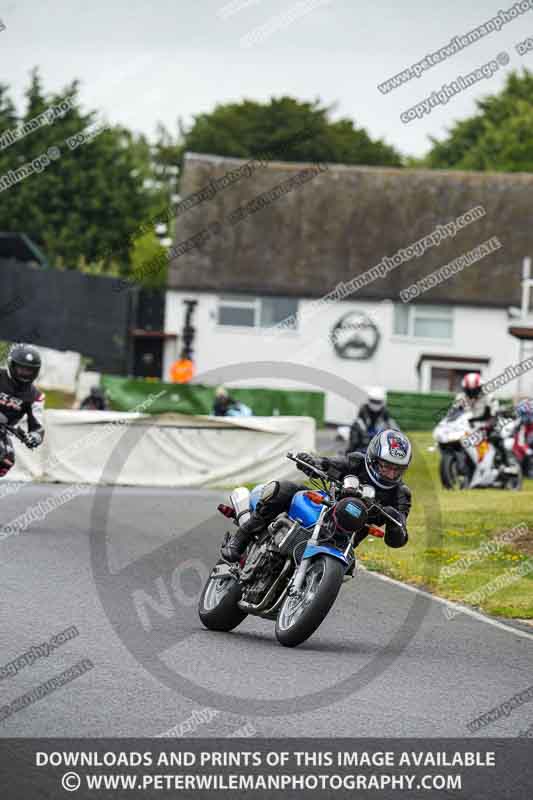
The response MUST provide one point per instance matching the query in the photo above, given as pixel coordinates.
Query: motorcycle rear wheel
(217, 607)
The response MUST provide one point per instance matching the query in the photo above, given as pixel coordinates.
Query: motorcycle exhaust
(258, 608)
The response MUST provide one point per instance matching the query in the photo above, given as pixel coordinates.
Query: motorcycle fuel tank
(255, 495)
(304, 510)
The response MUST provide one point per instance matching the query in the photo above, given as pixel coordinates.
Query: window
(277, 309)
(444, 379)
(233, 311)
(423, 322)
(401, 320)
(255, 312)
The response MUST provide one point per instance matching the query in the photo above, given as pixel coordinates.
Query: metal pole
(520, 359)
(526, 285)
(526, 291)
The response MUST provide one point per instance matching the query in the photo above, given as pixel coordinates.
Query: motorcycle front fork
(299, 576)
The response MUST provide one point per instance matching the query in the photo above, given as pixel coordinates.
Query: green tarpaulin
(130, 394)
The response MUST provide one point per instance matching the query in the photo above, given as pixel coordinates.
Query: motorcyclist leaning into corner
(373, 416)
(383, 465)
(19, 398)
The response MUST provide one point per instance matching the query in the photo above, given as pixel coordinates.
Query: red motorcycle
(523, 438)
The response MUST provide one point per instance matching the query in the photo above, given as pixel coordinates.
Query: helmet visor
(388, 471)
(25, 374)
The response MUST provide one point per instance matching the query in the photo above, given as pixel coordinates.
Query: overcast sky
(143, 61)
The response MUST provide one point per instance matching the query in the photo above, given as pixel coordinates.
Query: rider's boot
(235, 547)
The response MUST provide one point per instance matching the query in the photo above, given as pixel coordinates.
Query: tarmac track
(409, 671)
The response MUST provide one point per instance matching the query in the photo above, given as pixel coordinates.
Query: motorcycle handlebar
(358, 492)
(320, 473)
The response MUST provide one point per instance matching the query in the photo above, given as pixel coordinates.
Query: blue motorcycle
(292, 571)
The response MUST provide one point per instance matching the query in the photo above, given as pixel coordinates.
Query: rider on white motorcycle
(483, 410)
(480, 406)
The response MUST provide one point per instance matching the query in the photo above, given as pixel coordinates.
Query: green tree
(163, 160)
(87, 203)
(289, 130)
(498, 138)
(148, 261)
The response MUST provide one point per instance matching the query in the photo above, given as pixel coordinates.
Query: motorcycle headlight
(350, 515)
(368, 493)
(350, 482)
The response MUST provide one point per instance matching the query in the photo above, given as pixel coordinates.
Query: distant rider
(95, 400)
(223, 402)
(20, 399)
(373, 417)
(383, 466)
(523, 447)
(483, 410)
(481, 407)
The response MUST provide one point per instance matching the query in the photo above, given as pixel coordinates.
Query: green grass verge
(466, 521)
(446, 526)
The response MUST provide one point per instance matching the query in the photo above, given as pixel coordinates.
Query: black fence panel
(66, 311)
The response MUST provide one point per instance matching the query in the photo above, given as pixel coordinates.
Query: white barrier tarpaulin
(175, 450)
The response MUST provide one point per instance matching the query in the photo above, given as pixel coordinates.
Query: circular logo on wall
(355, 336)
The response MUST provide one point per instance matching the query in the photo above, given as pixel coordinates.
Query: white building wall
(477, 332)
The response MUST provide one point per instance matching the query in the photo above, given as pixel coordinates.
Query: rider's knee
(7, 463)
(276, 497)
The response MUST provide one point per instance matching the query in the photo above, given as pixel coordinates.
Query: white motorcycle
(470, 460)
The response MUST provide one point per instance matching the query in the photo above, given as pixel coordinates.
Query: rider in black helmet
(19, 398)
(95, 401)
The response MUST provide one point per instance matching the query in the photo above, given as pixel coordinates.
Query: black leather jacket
(17, 402)
(366, 422)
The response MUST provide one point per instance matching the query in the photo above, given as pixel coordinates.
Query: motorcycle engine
(262, 567)
(263, 579)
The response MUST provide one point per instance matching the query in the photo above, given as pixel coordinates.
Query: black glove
(309, 459)
(395, 532)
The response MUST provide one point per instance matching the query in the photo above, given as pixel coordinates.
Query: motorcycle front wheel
(300, 615)
(450, 472)
(514, 482)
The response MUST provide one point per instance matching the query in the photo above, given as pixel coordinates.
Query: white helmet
(377, 398)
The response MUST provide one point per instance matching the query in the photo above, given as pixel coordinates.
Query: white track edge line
(460, 609)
